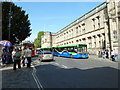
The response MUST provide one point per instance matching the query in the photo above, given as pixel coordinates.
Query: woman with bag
(28, 55)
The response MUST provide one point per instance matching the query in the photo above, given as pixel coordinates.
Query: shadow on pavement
(52, 76)
(21, 78)
(55, 77)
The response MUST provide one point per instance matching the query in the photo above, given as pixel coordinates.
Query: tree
(19, 23)
(37, 41)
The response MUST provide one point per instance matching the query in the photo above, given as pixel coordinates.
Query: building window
(98, 18)
(99, 25)
(100, 44)
(94, 44)
(93, 21)
(115, 36)
(94, 27)
(45, 40)
(90, 45)
(79, 29)
(76, 40)
(83, 28)
(76, 27)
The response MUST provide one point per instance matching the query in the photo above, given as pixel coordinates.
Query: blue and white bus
(73, 51)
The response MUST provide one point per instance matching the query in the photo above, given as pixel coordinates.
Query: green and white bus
(73, 51)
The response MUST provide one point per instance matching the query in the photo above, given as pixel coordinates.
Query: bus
(70, 51)
(31, 46)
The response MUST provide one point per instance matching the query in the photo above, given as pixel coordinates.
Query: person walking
(107, 54)
(104, 54)
(23, 56)
(28, 55)
(13, 54)
(3, 56)
(17, 59)
(116, 55)
(112, 55)
(99, 54)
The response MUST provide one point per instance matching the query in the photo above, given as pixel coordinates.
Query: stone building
(98, 29)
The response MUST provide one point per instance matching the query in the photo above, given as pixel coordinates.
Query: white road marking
(57, 64)
(64, 66)
(39, 85)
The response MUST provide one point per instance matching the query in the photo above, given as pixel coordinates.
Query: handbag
(25, 61)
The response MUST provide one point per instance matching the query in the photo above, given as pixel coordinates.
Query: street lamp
(10, 20)
(109, 31)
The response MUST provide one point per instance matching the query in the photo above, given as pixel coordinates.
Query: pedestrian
(104, 54)
(107, 54)
(116, 55)
(99, 54)
(13, 54)
(112, 55)
(17, 59)
(3, 56)
(23, 56)
(10, 56)
(28, 55)
(7, 55)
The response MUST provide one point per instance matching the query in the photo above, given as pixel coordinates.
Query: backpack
(17, 54)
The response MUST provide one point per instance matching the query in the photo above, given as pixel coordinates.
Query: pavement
(24, 78)
(95, 57)
(21, 78)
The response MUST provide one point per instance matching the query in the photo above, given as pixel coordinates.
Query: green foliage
(37, 41)
(20, 25)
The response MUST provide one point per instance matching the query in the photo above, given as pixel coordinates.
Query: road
(78, 73)
(64, 73)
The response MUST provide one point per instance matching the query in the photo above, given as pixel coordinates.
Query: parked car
(45, 55)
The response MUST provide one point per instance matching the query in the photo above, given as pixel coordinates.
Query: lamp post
(109, 30)
(10, 20)
(0, 20)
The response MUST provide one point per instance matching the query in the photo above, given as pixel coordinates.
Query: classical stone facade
(47, 39)
(98, 29)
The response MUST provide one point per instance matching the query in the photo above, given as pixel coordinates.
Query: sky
(53, 16)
